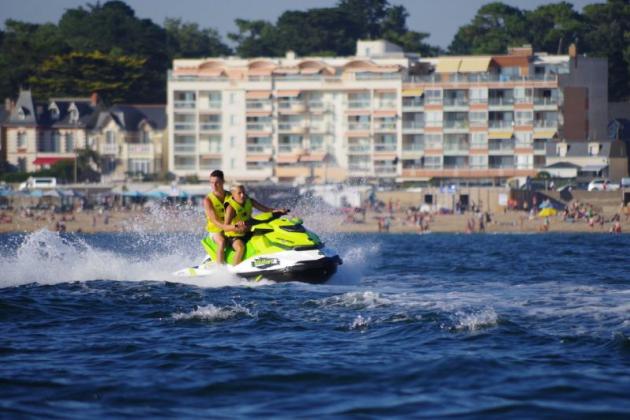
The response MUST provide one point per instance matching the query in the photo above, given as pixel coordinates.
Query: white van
(34, 183)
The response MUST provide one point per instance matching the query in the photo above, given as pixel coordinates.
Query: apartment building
(381, 115)
(130, 139)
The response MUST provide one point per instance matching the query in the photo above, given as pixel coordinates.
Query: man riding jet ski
(275, 247)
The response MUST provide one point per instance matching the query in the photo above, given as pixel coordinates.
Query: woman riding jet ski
(276, 248)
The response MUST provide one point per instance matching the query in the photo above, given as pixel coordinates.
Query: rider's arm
(264, 208)
(209, 209)
(229, 215)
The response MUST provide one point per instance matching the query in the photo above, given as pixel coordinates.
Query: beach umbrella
(548, 211)
(52, 193)
(133, 194)
(156, 194)
(545, 205)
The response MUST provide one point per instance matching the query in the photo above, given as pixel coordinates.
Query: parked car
(602, 184)
(33, 183)
(625, 182)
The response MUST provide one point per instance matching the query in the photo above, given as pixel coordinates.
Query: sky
(440, 18)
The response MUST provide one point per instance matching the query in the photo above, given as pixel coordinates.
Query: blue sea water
(412, 325)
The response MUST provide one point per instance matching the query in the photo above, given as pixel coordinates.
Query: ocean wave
(475, 320)
(213, 313)
(355, 300)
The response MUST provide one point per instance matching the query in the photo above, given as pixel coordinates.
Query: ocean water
(411, 325)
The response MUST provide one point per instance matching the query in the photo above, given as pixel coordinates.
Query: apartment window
(594, 149)
(69, 142)
(232, 98)
(233, 120)
(524, 117)
(433, 162)
(21, 140)
(479, 140)
(140, 166)
(232, 141)
(145, 137)
(55, 140)
(478, 162)
(232, 163)
(74, 116)
(523, 139)
(433, 96)
(478, 95)
(316, 142)
(110, 137)
(478, 117)
(21, 164)
(433, 118)
(524, 162)
(433, 141)
(54, 112)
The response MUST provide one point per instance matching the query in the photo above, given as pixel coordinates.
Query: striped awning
(288, 93)
(448, 65)
(474, 64)
(288, 158)
(546, 134)
(413, 92)
(313, 157)
(500, 135)
(258, 94)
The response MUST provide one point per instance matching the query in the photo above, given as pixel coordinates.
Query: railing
(185, 104)
(540, 146)
(413, 147)
(358, 126)
(523, 122)
(413, 125)
(258, 127)
(358, 104)
(478, 123)
(299, 127)
(493, 124)
(464, 147)
(140, 149)
(213, 104)
(546, 101)
(432, 100)
(385, 147)
(545, 124)
(507, 101)
(501, 147)
(259, 149)
(478, 77)
(386, 104)
(526, 100)
(359, 168)
(483, 145)
(478, 100)
(185, 126)
(109, 149)
(359, 148)
(289, 148)
(413, 103)
(184, 148)
(455, 124)
(455, 101)
(385, 126)
(258, 105)
(500, 166)
(210, 126)
(433, 123)
(384, 169)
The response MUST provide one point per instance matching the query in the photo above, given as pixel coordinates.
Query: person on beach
(214, 207)
(238, 210)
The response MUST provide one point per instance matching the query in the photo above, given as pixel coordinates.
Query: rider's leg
(219, 239)
(239, 250)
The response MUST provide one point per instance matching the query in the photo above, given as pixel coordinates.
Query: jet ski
(277, 248)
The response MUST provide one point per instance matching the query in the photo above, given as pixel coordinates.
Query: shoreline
(399, 222)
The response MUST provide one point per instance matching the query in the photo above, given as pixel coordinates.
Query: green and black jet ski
(277, 248)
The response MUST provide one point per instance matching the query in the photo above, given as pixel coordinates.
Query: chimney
(573, 54)
(94, 99)
(290, 55)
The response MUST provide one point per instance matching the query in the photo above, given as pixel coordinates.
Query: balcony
(109, 149)
(296, 128)
(210, 126)
(500, 125)
(385, 126)
(384, 147)
(384, 169)
(413, 125)
(360, 168)
(359, 149)
(546, 101)
(358, 126)
(501, 101)
(139, 149)
(184, 104)
(297, 107)
(259, 127)
(386, 104)
(413, 147)
(501, 146)
(412, 103)
(290, 148)
(358, 104)
(258, 106)
(259, 149)
(185, 148)
(185, 126)
(455, 124)
(545, 124)
(456, 148)
(455, 102)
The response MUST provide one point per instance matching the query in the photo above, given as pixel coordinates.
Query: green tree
(256, 38)
(553, 27)
(608, 35)
(494, 28)
(116, 78)
(368, 15)
(22, 47)
(187, 40)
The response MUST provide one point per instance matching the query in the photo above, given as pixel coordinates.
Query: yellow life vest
(219, 211)
(243, 214)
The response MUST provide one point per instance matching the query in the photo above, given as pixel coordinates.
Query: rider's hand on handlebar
(281, 211)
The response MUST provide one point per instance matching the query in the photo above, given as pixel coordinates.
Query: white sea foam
(358, 300)
(213, 313)
(475, 320)
(360, 323)
(46, 257)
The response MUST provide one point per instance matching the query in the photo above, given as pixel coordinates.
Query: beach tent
(547, 211)
(156, 194)
(133, 194)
